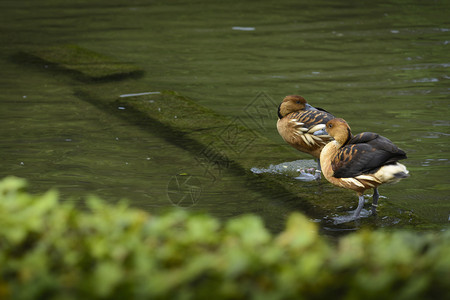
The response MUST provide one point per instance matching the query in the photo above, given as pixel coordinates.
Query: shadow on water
(271, 199)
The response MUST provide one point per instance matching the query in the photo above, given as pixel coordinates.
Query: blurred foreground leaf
(50, 250)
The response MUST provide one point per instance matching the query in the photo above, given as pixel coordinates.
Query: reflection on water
(381, 66)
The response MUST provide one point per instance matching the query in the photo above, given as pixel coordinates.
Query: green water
(383, 66)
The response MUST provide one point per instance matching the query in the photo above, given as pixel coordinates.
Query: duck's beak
(320, 132)
(309, 107)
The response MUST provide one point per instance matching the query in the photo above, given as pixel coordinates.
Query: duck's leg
(360, 206)
(318, 170)
(375, 197)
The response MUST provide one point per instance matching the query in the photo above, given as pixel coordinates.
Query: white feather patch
(296, 122)
(386, 174)
(305, 139)
(310, 139)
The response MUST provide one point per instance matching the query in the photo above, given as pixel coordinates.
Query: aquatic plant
(53, 250)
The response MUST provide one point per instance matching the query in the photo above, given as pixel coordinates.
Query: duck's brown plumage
(360, 162)
(365, 153)
(297, 123)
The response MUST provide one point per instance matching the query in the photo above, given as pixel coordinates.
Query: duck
(297, 123)
(361, 162)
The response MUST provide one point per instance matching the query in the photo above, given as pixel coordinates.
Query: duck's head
(291, 104)
(339, 130)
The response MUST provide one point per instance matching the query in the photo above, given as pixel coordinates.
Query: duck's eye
(330, 125)
(298, 102)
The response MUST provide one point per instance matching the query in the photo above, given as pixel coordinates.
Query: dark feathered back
(365, 153)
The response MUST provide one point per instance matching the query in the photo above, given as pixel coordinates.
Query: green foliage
(51, 250)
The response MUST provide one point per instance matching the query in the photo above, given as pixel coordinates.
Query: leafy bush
(51, 250)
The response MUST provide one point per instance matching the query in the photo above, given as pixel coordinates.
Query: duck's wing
(311, 118)
(298, 129)
(306, 123)
(365, 153)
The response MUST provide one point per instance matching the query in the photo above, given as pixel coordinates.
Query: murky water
(381, 66)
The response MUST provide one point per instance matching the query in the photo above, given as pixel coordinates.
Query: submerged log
(82, 63)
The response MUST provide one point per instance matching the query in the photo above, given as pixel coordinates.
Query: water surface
(381, 66)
